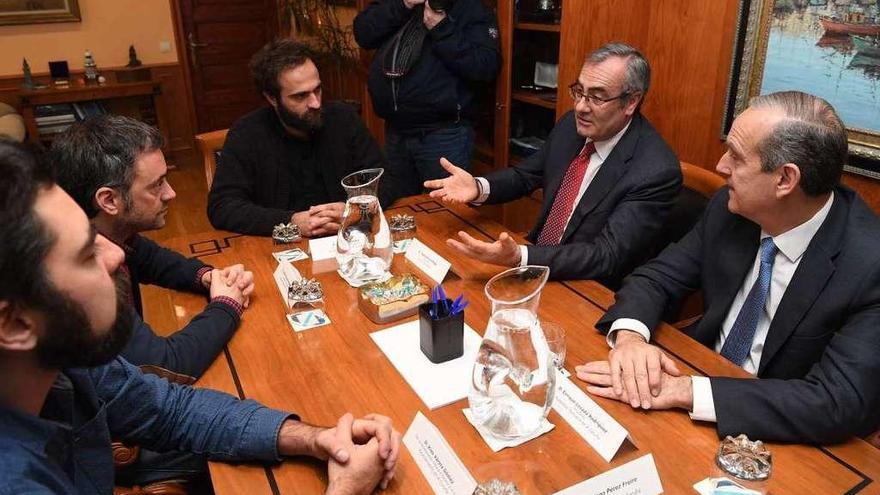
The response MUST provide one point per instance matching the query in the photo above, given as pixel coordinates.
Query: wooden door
(218, 39)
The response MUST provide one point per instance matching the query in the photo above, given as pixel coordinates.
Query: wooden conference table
(325, 372)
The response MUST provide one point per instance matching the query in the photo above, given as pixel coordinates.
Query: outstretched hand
(504, 251)
(459, 187)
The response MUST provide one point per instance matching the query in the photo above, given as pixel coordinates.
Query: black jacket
(192, 349)
(821, 355)
(620, 216)
(251, 189)
(461, 52)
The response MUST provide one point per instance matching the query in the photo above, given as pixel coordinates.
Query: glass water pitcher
(363, 244)
(514, 379)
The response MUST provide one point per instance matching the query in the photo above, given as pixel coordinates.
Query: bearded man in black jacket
(284, 163)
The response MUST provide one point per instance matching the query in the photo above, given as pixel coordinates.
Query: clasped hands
(639, 374)
(319, 220)
(233, 281)
(461, 187)
(360, 453)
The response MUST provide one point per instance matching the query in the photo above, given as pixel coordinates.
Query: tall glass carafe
(363, 244)
(514, 379)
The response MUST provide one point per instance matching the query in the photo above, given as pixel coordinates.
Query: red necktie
(563, 204)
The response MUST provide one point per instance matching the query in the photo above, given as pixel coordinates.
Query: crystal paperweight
(285, 233)
(741, 466)
(496, 487)
(305, 294)
(403, 230)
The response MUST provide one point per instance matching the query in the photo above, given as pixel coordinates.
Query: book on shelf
(86, 109)
(53, 110)
(55, 119)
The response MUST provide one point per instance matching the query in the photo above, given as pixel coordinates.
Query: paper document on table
(284, 274)
(438, 463)
(638, 477)
(590, 421)
(436, 384)
(323, 248)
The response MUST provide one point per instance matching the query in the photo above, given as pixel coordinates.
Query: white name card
(323, 248)
(284, 274)
(589, 420)
(427, 260)
(439, 464)
(638, 477)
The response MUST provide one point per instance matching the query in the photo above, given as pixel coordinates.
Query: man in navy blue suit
(789, 266)
(609, 180)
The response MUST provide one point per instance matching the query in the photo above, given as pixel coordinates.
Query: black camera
(441, 5)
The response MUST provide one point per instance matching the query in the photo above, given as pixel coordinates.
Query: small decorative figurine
(91, 69)
(28, 77)
(133, 58)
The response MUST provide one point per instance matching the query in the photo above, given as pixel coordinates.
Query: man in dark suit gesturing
(609, 180)
(789, 265)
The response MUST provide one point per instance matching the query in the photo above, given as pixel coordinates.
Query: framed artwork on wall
(829, 48)
(38, 11)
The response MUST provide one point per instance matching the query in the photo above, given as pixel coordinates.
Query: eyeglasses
(577, 92)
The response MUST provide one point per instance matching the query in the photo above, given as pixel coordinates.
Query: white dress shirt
(791, 245)
(603, 149)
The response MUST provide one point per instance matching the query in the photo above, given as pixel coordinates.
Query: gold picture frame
(750, 60)
(15, 12)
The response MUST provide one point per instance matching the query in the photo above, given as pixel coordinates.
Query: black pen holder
(441, 339)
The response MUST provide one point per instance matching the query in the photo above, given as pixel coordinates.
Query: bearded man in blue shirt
(64, 395)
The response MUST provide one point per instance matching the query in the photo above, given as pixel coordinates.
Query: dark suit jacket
(620, 214)
(822, 352)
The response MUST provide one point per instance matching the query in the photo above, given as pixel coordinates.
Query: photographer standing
(430, 57)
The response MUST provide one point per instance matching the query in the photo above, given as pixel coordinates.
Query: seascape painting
(830, 48)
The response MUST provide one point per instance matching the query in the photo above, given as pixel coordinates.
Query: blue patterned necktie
(738, 344)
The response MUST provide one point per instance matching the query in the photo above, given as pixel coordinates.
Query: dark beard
(70, 340)
(309, 122)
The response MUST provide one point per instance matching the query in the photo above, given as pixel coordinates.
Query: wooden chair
(701, 180)
(210, 144)
(699, 186)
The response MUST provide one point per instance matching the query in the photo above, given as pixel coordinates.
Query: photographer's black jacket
(460, 53)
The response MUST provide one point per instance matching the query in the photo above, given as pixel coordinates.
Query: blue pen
(457, 302)
(459, 308)
(442, 297)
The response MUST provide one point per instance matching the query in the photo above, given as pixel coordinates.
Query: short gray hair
(638, 71)
(811, 135)
(101, 152)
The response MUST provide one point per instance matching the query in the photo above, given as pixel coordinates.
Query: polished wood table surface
(325, 372)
